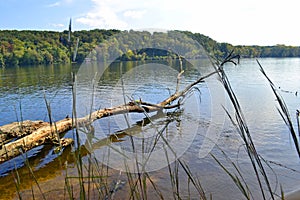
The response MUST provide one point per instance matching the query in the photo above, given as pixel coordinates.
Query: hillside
(47, 47)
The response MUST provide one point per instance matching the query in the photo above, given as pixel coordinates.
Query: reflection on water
(22, 92)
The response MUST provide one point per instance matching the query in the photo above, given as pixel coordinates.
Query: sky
(239, 22)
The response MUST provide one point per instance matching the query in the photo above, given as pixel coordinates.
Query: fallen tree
(31, 134)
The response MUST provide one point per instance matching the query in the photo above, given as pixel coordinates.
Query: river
(199, 128)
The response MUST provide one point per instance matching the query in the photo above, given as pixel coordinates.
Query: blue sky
(259, 22)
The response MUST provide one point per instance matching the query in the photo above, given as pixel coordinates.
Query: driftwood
(19, 129)
(42, 173)
(36, 133)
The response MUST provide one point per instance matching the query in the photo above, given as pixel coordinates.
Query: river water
(199, 128)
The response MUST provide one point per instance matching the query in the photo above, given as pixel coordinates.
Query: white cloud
(59, 3)
(135, 14)
(54, 4)
(266, 22)
(68, 1)
(102, 17)
(57, 25)
(117, 14)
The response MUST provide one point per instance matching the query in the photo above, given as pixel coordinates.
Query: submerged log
(38, 132)
(36, 138)
(49, 132)
(19, 129)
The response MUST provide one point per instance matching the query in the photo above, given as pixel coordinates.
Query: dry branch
(19, 129)
(39, 132)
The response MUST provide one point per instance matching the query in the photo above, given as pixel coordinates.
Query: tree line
(48, 47)
(220, 50)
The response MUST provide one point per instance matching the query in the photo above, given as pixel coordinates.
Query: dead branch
(19, 129)
(37, 133)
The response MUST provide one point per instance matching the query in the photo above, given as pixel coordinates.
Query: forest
(29, 47)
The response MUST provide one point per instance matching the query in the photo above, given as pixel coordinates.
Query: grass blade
(283, 110)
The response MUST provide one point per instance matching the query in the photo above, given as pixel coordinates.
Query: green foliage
(2, 64)
(47, 57)
(31, 57)
(47, 47)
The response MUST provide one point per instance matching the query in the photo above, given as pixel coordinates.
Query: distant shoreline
(30, 47)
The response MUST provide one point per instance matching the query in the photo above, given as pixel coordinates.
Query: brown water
(188, 130)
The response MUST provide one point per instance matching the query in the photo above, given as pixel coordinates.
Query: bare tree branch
(44, 131)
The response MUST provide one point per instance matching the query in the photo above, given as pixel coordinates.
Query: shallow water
(200, 128)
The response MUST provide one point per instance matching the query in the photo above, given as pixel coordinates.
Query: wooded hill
(47, 47)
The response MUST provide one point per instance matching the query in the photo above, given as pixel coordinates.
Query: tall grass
(283, 110)
(96, 180)
(17, 181)
(298, 121)
(240, 123)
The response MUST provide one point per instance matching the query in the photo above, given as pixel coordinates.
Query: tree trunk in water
(36, 133)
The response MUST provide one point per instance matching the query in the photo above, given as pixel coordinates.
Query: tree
(48, 58)
(52, 47)
(31, 57)
(2, 63)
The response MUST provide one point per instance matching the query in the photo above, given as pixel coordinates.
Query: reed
(298, 121)
(95, 180)
(32, 176)
(17, 181)
(240, 123)
(283, 110)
